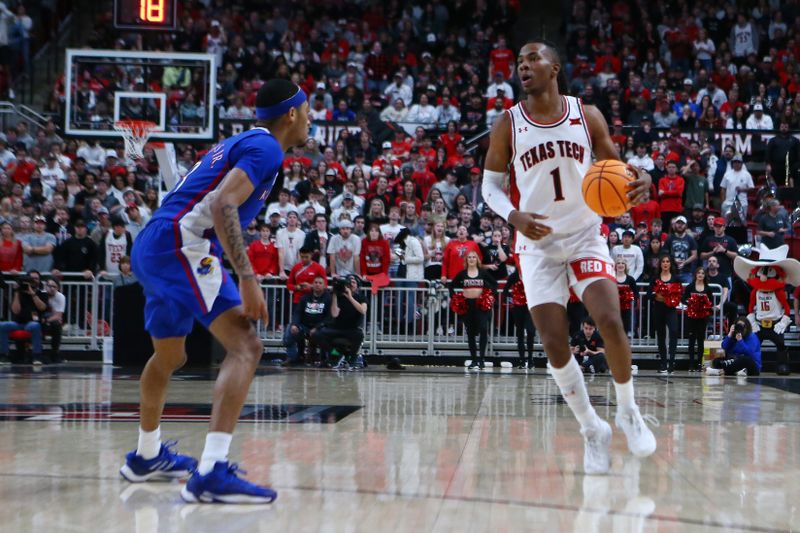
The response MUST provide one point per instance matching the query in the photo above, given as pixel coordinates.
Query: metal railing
(88, 315)
(414, 317)
(408, 317)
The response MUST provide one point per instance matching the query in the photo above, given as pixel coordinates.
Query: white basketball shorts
(559, 261)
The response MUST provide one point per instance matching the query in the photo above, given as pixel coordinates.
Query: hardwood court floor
(420, 450)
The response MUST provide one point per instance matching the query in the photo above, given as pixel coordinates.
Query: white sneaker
(742, 372)
(439, 331)
(713, 371)
(451, 331)
(641, 441)
(596, 440)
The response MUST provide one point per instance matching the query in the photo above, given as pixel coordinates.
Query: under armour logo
(575, 122)
(523, 129)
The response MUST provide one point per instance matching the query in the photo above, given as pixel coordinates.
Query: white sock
(625, 398)
(149, 443)
(217, 445)
(570, 381)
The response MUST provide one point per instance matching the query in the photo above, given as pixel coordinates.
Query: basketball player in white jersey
(546, 142)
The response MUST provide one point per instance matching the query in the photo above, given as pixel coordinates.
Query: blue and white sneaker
(164, 466)
(223, 485)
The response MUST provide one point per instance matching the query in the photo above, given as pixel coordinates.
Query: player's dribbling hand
(253, 305)
(526, 223)
(639, 188)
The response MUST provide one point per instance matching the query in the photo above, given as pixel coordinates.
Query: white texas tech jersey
(548, 163)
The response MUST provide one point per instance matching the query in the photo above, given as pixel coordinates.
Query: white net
(135, 134)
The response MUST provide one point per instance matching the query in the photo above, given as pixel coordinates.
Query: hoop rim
(135, 125)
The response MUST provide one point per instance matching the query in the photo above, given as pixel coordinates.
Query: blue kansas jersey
(256, 152)
(177, 257)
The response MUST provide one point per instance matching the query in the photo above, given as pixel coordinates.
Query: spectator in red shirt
(22, 168)
(450, 139)
(409, 195)
(375, 257)
(401, 145)
(10, 250)
(423, 177)
(670, 194)
(297, 156)
(301, 277)
(263, 254)
(386, 157)
(455, 252)
(608, 57)
(502, 59)
(646, 212)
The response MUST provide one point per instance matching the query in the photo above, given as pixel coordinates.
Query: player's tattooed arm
(233, 192)
(233, 233)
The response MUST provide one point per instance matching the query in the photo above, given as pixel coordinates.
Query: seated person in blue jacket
(588, 348)
(742, 352)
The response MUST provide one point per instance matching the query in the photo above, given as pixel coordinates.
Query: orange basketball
(605, 187)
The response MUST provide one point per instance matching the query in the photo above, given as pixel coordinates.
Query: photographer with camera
(309, 314)
(588, 348)
(348, 308)
(742, 352)
(28, 305)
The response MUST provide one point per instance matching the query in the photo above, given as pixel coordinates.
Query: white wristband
(493, 193)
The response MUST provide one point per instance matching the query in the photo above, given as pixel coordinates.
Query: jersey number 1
(556, 173)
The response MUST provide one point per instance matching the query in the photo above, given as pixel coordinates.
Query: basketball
(605, 187)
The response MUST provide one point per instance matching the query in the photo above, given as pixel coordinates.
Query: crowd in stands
(657, 73)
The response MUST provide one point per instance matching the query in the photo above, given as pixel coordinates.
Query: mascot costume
(768, 310)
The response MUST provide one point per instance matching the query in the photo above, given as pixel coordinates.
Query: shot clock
(145, 14)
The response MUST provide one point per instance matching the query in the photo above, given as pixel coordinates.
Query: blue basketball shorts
(182, 277)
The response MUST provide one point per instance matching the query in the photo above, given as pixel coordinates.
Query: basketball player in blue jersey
(178, 260)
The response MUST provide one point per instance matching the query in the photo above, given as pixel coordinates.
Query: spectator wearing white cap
(348, 207)
(321, 94)
(344, 251)
(215, 42)
(38, 247)
(759, 120)
(737, 181)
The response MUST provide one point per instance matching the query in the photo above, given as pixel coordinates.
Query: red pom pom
(674, 294)
(699, 306)
(518, 298)
(458, 304)
(486, 300)
(626, 297)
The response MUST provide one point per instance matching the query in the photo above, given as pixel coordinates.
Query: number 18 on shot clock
(145, 14)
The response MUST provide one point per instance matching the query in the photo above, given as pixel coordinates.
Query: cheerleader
(523, 322)
(698, 297)
(626, 286)
(478, 290)
(662, 293)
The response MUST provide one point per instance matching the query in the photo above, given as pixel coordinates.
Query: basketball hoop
(135, 134)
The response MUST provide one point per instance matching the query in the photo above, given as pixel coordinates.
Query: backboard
(177, 91)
